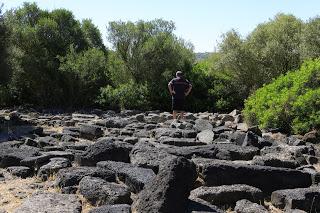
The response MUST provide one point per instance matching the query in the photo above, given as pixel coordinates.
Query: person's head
(179, 74)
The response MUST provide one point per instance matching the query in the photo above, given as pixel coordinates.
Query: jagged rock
(286, 150)
(216, 151)
(201, 124)
(275, 161)
(180, 141)
(220, 129)
(69, 177)
(47, 141)
(53, 167)
(114, 122)
(20, 171)
(37, 161)
(205, 136)
(246, 206)
(119, 208)
(31, 142)
(51, 202)
(227, 195)
(169, 191)
(90, 132)
(131, 140)
(268, 179)
(134, 177)
(312, 137)
(168, 132)
(11, 156)
(100, 192)
(307, 199)
(234, 137)
(145, 154)
(104, 150)
(196, 205)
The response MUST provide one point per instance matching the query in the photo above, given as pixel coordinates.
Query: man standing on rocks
(179, 88)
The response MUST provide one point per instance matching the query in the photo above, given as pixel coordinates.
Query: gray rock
(216, 151)
(201, 124)
(47, 141)
(268, 179)
(307, 199)
(134, 177)
(227, 195)
(118, 208)
(197, 205)
(168, 132)
(114, 122)
(11, 156)
(53, 167)
(104, 150)
(67, 178)
(205, 136)
(20, 171)
(180, 141)
(90, 132)
(131, 140)
(312, 137)
(100, 192)
(147, 155)
(246, 206)
(51, 202)
(169, 191)
(275, 161)
(220, 129)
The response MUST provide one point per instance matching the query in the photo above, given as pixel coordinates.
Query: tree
(149, 54)
(310, 45)
(92, 35)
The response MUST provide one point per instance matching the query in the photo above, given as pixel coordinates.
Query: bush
(125, 96)
(291, 102)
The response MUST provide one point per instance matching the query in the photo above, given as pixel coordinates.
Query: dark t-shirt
(180, 86)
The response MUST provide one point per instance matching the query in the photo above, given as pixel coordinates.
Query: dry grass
(271, 208)
(57, 129)
(317, 166)
(13, 191)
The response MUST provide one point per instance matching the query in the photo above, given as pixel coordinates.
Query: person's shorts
(178, 104)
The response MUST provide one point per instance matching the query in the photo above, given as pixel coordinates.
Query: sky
(201, 22)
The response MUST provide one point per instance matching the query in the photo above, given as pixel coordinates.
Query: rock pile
(146, 162)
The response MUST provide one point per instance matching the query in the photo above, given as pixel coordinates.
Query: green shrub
(291, 102)
(125, 96)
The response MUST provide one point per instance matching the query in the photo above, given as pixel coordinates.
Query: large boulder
(201, 124)
(307, 199)
(275, 161)
(216, 151)
(312, 137)
(205, 136)
(90, 132)
(100, 192)
(51, 202)
(227, 195)
(68, 178)
(169, 191)
(147, 155)
(11, 156)
(53, 167)
(20, 171)
(104, 150)
(268, 179)
(134, 177)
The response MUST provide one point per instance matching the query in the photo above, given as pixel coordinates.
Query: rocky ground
(133, 161)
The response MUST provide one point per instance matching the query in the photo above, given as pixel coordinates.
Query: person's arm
(189, 90)
(170, 88)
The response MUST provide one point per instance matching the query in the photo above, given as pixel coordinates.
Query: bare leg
(182, 115)
(174, 114)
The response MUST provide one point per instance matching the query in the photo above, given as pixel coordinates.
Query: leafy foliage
(291, 102)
